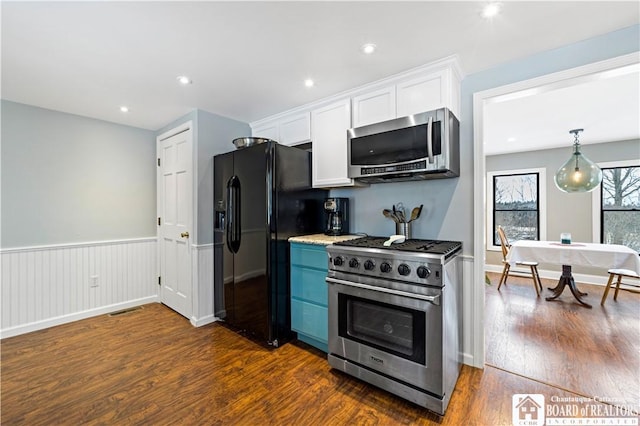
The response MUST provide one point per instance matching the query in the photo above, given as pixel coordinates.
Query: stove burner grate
(412, 245)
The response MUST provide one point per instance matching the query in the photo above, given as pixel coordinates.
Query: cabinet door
(268, 130)
(310, 319)
(420, 95)
(309, 285)
(374, 107)
(329, 127)
(295, 129)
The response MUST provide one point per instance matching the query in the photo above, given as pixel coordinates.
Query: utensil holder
(403, 228)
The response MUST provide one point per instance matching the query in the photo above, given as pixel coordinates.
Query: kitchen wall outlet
(94, 281)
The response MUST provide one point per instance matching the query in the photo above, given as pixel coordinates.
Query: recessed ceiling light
(184, 80)
(511, 139)
(490, 10)
(309, 83)
(124, 108)
(369, 48)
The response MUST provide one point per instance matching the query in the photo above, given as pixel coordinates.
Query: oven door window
(395, 146)
(393, 329)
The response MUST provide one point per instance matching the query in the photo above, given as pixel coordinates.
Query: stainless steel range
(394, 316)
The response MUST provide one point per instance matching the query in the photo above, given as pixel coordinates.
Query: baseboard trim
(64, 319)
(199, 322)
(469, 360)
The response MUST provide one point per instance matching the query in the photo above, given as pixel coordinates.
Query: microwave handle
(430, 139)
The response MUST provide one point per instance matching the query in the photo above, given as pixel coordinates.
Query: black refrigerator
(262, 196)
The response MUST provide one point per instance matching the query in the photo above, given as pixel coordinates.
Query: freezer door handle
(233, 214)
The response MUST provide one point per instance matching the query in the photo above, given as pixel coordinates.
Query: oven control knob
(369, 265)
(423, 271)
(338, 261)
(404, 269)
(385, 267)
(354, 263)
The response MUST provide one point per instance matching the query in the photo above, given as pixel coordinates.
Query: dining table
(606, 256)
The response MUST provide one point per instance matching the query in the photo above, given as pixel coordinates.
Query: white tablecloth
(604, 256)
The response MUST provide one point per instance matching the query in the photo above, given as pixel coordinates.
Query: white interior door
(175, 213)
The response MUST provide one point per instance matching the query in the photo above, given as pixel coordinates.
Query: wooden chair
(613, 273)
(533, 266)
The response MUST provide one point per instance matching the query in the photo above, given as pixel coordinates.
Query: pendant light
(578, 174)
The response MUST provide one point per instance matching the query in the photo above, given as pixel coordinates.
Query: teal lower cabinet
(309, 316)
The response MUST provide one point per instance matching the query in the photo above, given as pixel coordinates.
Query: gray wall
(439, 197)
(449, 203)
(215, 136)
(565, 212)
(68, 179)
(212, 134)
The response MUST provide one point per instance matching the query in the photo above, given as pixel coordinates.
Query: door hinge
(159, 280)
(158, 162)
(159, 221)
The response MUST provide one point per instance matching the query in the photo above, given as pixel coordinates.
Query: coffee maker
(337, 216)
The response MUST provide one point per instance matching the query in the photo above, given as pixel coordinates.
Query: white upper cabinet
(291, 129)
(411, 94)
(266, 130)
(329, 146)
(374, 107)
(428, 92)
(326, 121)
(420, 95)
(295, 129)
(425, 93)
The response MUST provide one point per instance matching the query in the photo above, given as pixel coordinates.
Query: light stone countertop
(322, 239)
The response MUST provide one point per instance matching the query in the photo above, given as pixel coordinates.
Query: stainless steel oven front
(388, 337)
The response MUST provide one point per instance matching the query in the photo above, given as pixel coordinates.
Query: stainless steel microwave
(420, 146)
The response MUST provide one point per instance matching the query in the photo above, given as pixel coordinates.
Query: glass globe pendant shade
(578, 174)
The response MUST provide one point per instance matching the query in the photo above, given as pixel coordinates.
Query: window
(620, 206)
(516, 199)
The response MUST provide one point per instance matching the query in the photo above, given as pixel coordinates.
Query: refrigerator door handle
(233, 214)
(229, 215)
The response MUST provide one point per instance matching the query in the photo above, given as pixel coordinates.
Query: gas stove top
(414, 261)
(445, 248)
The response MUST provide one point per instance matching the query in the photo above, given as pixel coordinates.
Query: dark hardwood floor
(590, 352)
(150, 366)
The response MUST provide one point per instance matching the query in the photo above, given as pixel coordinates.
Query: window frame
(596, 197)
(542, 203)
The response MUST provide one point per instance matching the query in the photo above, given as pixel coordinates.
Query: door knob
(185, 235)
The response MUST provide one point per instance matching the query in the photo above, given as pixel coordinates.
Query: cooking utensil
(398, 211)
(388, 213)
(403, 212)
(394, 239)
(415, 213)
(248, 141)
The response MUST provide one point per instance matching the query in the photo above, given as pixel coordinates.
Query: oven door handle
(431, 299)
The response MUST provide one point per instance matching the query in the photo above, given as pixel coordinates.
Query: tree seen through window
(516, 206)
(620, 214)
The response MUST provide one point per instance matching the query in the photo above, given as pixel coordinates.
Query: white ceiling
(248, 59)
(606, 105)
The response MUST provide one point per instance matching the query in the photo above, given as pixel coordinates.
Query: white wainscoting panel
(51, 285)
(202, 285)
